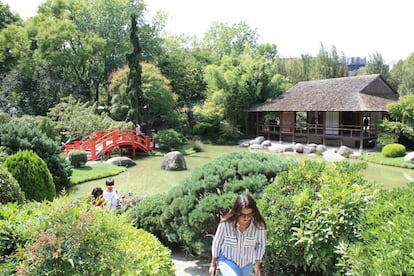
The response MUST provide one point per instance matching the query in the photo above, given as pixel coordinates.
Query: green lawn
(378, 158)
(101, 170)
(95, 171)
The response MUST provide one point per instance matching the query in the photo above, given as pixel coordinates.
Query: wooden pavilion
(342, 111)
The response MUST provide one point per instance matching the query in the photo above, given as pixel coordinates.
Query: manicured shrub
(9, 188)
(198, 146)
(205, 129)
(169, 139)
(78, 158)
(4, 117)
(311, 209)
(228, 133)
(32, 174)
(193, 209)
(23, 134)
(393, 150)
(386, 239)
(146, 215)
(385, 138)
(75, 238)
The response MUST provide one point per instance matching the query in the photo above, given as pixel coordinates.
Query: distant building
(354, 63)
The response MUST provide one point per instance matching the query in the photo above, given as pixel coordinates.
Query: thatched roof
(360, 93)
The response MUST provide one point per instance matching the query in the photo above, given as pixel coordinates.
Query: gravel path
(187, 265)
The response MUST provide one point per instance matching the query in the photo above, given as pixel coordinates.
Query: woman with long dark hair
(240, 240)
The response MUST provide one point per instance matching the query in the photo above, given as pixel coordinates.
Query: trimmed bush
(23, 134)
(193, 209)
(312, 209)
(393, 150)
(4, 117)
(169, 139)
(78, 158)
(10, 190)
(75, 238)
(198, 146)
(205, 129)
(146, 215)
(32, 174)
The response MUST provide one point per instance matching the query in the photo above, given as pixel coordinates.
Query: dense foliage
(67, 238)
(77, 158)
(393, 150)
(169, 139)
(22, 134)
(386, 243)
(32, 174)
(146, 215)
(191, 211)
(311, 209)
(10, 190)
(73, 120)
(157, 100)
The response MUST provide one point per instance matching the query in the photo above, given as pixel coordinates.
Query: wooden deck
(352, 135)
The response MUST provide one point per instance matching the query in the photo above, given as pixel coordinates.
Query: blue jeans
(229, 268)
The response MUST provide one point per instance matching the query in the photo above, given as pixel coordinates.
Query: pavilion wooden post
(361, 131)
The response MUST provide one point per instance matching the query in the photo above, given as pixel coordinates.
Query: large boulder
(258, 140)
(173, 161)
(299, 148)
(266, 144)
(332, 156)
(409, 157)
(345, 151)
(308, 149)
(121, 161)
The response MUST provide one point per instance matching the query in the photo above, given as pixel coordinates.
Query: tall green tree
(221, 39)
(402, 76)
(134, 83)
(239, 82)
(6, 16)
(328, 65)
(184, 65)
(157, 98)
(75, 44)
(375, 65)
(295, 69)
(403, 113)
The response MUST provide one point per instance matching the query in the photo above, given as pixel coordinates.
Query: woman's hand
(212, 269)
(257, 268)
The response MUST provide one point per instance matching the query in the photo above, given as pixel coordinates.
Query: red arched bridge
(103, 142)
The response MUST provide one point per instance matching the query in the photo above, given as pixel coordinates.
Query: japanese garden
(77, 80)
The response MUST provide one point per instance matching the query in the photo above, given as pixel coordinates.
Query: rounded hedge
(32, 174)
(78, 158)
(393, 150)
(10, 190)
(169, 139)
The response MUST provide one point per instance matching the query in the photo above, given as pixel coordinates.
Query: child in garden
(98, 200)
(111, 195)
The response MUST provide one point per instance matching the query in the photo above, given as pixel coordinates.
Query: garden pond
(147, 178)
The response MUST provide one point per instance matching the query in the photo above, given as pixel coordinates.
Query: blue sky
(355, 27)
